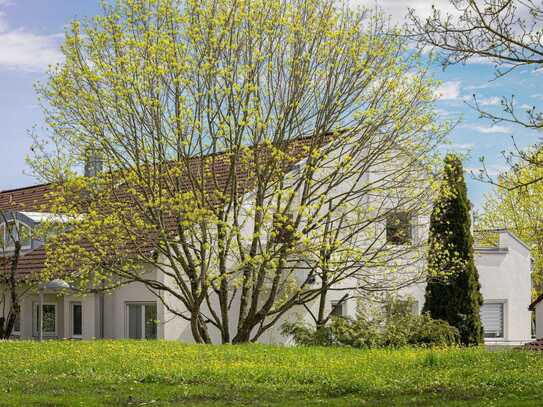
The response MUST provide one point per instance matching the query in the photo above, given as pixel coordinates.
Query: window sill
(400, 246)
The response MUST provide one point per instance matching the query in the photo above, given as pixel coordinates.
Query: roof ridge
(209, 155)
(509, 232)
(24, 188)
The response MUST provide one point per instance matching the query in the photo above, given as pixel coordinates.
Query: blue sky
(31, 32)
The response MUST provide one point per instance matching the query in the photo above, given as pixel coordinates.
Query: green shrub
(431, 332)
(393, 325)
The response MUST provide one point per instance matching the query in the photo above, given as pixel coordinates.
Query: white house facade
(505, 278)
(133, 311)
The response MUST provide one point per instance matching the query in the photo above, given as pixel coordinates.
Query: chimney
(93, 162)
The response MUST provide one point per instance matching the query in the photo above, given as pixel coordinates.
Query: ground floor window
(77, 320)
(492, 319)
(142, 320)
(49, 319)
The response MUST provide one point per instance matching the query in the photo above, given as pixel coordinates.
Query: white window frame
(127, 317)
(504, 321)
(8, 241)
(35, 329)
(72, 304)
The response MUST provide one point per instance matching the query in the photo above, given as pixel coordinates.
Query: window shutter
(492, 319)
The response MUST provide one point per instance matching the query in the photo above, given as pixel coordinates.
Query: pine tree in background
(453, 289)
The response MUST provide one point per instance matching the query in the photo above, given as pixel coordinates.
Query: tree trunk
(243, 335)
(321, 320)
(195, 328)
(7, 324)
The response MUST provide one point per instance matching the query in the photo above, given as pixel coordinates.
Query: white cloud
(491, 101)
(481, 86)
(460, 146)
(443, 112)
(448, 90)
(491, 129)
(397, 9)
(24, 50)
(481, 61)
(491, 170)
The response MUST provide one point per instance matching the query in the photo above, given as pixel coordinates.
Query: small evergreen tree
(453, 289)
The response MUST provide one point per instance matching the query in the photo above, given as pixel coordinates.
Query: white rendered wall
(88, 314)
(115, 305)
(505, 276)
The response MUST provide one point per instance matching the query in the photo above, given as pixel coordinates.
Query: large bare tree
(256, 154)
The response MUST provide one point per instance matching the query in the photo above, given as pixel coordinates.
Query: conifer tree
(453, 289)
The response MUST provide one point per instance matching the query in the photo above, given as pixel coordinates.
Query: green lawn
(166, 373)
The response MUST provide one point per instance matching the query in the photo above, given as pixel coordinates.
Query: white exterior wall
(177, 328)
(27, 316)
(63, 315)
(89, 316)
(505, 276)
(115, 309)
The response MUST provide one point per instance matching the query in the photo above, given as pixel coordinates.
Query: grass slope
(69, 373)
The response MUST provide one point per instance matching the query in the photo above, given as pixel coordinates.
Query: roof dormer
(15, 226)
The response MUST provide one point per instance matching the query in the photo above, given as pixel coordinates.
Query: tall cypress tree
(453, 290)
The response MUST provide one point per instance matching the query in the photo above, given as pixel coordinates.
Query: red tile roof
(30, 263)
(217, 168)
(25, 199)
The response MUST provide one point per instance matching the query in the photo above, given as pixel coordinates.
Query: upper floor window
(283, 227)
(338, 309)
(398, 228)
(13, 231)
